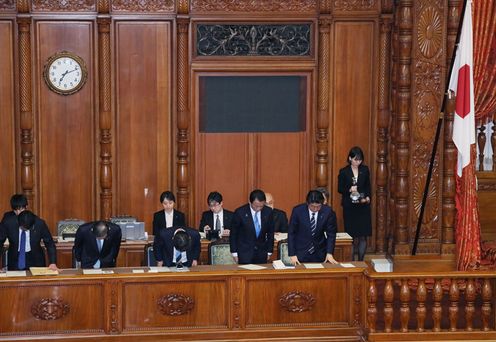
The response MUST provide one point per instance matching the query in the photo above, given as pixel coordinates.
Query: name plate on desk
(97, 271)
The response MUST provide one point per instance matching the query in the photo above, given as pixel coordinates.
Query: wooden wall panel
(284, 168)
(65, 130)
(7, 108)
(143, 117)
(224, 166)
(352, 93)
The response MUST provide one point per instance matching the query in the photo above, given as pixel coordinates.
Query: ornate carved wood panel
(143, 117)
(7, 114)
(66, 128)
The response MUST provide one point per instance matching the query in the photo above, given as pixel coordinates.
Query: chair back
(282, 252)
(149, 256)
(219, 253)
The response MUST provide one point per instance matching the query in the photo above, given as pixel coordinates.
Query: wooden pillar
(322, 133)
(402, 190)
(449, 152)
(183, 113)
(382, 136)
(105, 110)
(25, 104)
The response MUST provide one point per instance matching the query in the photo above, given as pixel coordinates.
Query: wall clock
(65, 73)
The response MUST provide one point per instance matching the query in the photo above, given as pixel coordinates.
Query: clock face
(65, 73)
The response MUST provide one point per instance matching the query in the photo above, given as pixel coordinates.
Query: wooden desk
(207, 303)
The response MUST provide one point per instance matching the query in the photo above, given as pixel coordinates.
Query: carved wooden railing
(486, 146)
(416, 306)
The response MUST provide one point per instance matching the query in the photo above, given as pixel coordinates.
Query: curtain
(484, 26)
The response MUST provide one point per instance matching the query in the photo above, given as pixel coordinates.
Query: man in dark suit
(279, 216)
(97, 244)
(216, 222)
(25, 237)
(174, 246)
(309, 221)
(168, 217)
(18, 203)
(252, 231)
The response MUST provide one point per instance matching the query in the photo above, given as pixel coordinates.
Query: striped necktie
(313, 224)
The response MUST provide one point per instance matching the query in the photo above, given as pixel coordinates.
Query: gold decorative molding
(175, 304)
(297, 301)
(254, 5)
(143, 5)
(64, 5)
(429, 32)
(50, 309)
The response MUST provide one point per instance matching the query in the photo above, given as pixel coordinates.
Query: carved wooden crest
(175, 304)
(49, 309)
(297, 301)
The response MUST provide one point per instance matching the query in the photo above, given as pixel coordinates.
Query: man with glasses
(306, 239)
(215, 222)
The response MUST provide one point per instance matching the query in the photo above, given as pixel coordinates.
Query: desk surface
(206, 303)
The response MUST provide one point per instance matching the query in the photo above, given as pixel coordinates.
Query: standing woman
(169, 217)
(354, 186)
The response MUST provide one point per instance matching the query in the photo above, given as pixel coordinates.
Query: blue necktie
(257, 225)
(313, 224)
(179, 256)
(21, 261)
(99, 244)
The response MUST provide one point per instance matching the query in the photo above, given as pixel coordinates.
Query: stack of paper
(252, 267)
(41, 271)
(382, 265)
(279, 265)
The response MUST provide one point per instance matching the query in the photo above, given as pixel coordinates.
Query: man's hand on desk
(194, 263)
(160, 263)
(235, 259)
(330, 259)
(294, 260)
(226, 232)
(53, 267)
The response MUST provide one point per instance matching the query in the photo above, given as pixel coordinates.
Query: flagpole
(438, 132)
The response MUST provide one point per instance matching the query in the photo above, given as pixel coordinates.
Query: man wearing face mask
(25, 237)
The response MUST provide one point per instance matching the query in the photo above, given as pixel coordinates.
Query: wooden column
(449, 151)
(382, 136)
(322, 132)
(105, 111)
(402, 190)
(25, 104)
(183, 117)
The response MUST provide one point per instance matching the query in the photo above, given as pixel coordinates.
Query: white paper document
(343, 236)
(313, 265)
(97, 271)
(347, 265)
(156, 269)
(280, 236)
(279, 265)
(16, 273)
(252, 267)
(138, 271)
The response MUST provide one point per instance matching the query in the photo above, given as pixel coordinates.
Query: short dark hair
(214, 196)
(181, 240)
(257, 194)
(26, 219)
(355, 152)
(168, 195)
(18, 201)
(315, 197)
(100, 229)
(323, 191)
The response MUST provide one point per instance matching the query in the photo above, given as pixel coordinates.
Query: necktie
(313, 224)
(179, 256)
(257, 225)
(217, 223)
(100, 245)
(21, 261)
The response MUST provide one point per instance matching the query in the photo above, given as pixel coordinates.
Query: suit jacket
(36, 258)
(345, 181)
(207, 219)
(8, 216)
(86, 248)
(300, 238)
(178, 220)
(163, 246)
(243, 239)
(280, 220)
